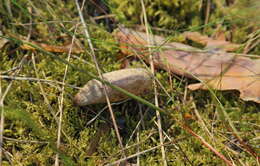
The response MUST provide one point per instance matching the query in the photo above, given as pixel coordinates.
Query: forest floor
(40, 74)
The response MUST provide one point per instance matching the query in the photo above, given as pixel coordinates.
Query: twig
(62, 99)
(10, 70)
(137, 126)
(248, 148)
(42, 90)
(8, 156)
(25, 141)
(138, 148)
(176, 145)
(250, 45)
(229, 163)
(207, 14)
(201, 121)
(100, 74)
(155, 87)
(104, 16)
(138, 135)
(1, 123)
(2, 97)
(37, 79)
(137, 154)
(102, 110)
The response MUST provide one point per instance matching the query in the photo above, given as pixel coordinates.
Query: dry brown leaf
(215, 69)
(56, 49)
(77, 48)
(136, 81)
(219, 43)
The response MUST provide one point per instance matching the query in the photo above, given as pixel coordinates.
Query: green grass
(31, 107)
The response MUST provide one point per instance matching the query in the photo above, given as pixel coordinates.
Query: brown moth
(134, 80)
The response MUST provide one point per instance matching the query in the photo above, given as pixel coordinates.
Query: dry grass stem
(100, 74)
(62, 99)
(2, 97)
(150, 42)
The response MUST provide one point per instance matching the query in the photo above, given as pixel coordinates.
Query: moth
(133, 80)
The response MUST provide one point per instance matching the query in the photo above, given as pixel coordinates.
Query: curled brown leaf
(56, 49)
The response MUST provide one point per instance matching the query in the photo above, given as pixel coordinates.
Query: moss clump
(174, 14)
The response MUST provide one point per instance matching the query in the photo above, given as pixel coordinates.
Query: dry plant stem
(207, 14)
(1, 123)
(252, 46)
(8, 6)
(137, 154)
(188, 129)
(30, 27)
(42, 90)
(100, 75)
(155, 86)
(131, 146)
(62, 99)
(138, 126)
(50, 82)
(2, 97)
(248, 148)
(101, 111)
(138, 134)
(141, 115)
(24, 141)
(176, 145)
(201, 121)
(252, 42)
(138, 148)
(9, 157)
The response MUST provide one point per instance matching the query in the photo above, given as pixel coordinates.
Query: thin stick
(137, 154)
(201, 121)
(137, 127)
(2, 97)
(1, 123)
(207, 14)
(100, 75)
(24, 141)
(155, 87)
(138, 147)
(38, 80)
(229, 163)
(62, 99)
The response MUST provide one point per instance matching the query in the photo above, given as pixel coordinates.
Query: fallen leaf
(56, 49)
(215, 69)
(76, 48)
(135, 80)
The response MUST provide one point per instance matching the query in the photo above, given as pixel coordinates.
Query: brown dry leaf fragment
(77, 48)
(136, 81)
(218, 70)
(209, 43)
(56, 49)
